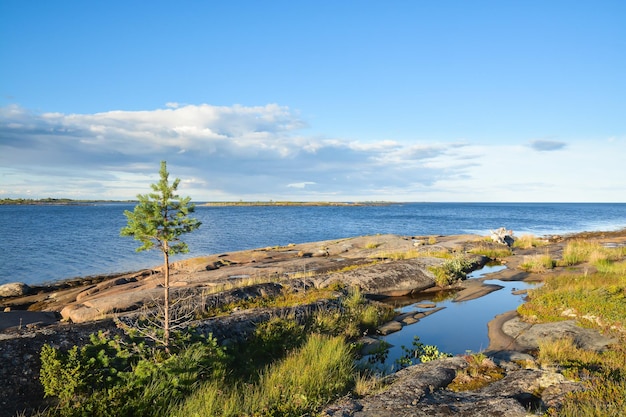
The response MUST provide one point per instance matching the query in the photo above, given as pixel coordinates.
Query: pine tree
(158, 221)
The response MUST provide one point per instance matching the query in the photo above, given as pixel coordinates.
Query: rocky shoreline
(65, 314)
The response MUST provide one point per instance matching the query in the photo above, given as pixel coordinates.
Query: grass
(538, 263)
(603, 375)
(599, 297)
(291, 387)
(597, 300)
(528, 242)
(480, 371)
(492, 251)
(286, 367)
(399, 255)
(579, 251)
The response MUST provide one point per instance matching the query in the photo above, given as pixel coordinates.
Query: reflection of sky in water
(459, 327)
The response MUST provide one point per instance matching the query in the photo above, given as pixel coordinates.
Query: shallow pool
(461, 326)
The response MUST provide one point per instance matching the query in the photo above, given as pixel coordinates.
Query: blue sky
(315, 100)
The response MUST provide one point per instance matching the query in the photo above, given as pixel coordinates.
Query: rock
(14, 289)
(409, 320)
(20, 319)
(502, 236)
(527, 336)
(391, 279)
(422, 314)
(420, 390)
(390, 327)
(371, 345)
(403, 396)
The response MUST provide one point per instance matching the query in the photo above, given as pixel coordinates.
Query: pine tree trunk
(166, 306)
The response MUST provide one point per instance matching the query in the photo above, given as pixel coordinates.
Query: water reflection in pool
(460, 326)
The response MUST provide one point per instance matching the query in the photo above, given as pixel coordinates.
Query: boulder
(14, 289)
(389, 279)
(527, 336)
(502, 236)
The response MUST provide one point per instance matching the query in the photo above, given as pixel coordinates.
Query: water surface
(45, 243)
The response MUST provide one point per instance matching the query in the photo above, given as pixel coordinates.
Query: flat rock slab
(475, 289)
(527, 335)
(19, 319)
(390, 327)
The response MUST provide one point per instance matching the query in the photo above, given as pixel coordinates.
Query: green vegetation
(480, 371)
(528, 242)
(287, 367)
(452, 270)
(538, 263)
(397, 256)
(579, 251)
(160, 219)
(291, 387)
(597, 300)
(492, 251)
(112, 377)
(419, 352)
(603, 375)
(593, 298)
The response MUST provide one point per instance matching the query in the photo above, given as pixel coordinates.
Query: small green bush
(419, 352)
(451, 270)
(107, 378)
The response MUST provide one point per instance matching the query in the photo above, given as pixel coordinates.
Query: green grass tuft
(291, 387)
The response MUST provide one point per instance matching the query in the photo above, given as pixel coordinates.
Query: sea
(41, 244)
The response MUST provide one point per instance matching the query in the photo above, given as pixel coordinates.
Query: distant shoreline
(54, 202)
(71, 202)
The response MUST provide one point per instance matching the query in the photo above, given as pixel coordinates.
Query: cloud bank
(219, 152)
(263, 153)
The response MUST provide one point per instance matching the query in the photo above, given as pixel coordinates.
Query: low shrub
(451, 270)
(419, 352)
(107, 378)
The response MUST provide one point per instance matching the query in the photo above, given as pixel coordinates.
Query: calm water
(459, 327)
(45, 243)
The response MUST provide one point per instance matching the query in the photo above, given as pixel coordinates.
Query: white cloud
(300, 184)
(259, 152)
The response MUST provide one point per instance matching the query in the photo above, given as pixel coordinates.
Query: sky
(415, 100)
